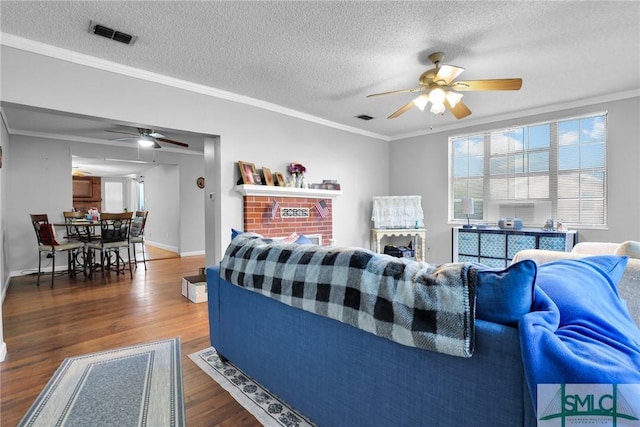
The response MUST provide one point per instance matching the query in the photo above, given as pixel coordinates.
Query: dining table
(89, 228)
(86, 232)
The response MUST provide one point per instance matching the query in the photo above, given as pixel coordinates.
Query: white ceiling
(88, 166)
(322, 58)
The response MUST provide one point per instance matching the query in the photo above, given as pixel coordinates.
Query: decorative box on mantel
(264, 206)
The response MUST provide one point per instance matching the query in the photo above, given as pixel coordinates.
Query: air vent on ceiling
(110, 33)
(364, 117)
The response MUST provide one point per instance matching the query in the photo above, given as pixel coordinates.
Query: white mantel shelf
(274, 191)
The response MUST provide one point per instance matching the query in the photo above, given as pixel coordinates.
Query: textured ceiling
(323, 57)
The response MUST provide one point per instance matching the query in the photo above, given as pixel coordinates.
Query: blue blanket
(579, 330)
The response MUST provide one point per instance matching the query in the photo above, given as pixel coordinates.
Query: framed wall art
(247, 172)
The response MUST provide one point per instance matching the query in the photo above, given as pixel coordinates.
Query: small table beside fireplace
(419, 236)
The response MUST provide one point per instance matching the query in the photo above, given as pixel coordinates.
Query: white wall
(419, 165)
(359, 163)
(163, 203)
(39, 173)
(248, 133)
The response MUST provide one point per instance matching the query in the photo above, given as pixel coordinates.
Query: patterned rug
(268, 408)
(139, 385)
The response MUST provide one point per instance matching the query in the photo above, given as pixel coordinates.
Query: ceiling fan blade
(170, 141)
(415, 89)
(459, 111)
(117, 131)
(491, 84)
(447, 74)
(129, 138)
(406, 107)
(156, 135)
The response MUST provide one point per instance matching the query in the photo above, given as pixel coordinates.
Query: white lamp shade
(437, 108)
(421, 101)
(467, 206)
(437, 95)
(454, 98)
(146, 141)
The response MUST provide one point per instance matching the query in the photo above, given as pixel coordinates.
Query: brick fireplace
(279, 211)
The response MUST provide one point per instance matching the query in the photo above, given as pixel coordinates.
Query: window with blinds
(553, 170)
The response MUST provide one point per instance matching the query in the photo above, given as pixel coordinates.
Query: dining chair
(114, 235)
(50, 245)
(73, 231)
(137, 235)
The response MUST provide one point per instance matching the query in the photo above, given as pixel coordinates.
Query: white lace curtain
(397, 212)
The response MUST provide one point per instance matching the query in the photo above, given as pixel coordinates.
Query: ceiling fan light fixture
(439, 80)
(437, 96)
(146, 141)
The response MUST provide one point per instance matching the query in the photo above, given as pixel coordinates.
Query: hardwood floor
(153, 253)
(42, 326)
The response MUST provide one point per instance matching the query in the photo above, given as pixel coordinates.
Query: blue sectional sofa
(339, 375)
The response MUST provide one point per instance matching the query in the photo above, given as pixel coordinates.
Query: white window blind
(554, 170)
(113, 197)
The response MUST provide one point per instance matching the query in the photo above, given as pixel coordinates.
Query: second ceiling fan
(438, 86)
(147, 137)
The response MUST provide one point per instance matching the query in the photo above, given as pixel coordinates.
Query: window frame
(481, 191)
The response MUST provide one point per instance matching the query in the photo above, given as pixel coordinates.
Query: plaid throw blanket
(412, 303)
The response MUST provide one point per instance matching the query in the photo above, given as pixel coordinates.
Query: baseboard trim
(194, 253)
(5, 286)
(162, 246)
(34, 271)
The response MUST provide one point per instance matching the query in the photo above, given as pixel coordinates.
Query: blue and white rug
(140, 385)
(268, 408)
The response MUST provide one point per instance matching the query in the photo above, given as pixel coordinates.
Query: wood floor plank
(42, 326)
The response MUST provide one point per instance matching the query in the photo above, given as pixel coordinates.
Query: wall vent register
(110, 33)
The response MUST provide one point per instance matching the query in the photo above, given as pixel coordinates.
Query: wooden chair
(137, 235)
(49, 244)
(73, 231)
(114, 235)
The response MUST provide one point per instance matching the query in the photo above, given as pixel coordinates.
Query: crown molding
(39, 48)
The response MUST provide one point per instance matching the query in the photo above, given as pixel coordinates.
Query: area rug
(268, 408)
(140, 385)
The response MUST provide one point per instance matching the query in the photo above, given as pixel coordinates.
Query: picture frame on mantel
(280, 180)
(247, 172)
(268, 177)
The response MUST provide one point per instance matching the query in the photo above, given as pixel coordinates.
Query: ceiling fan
(147, 138)
(438, 86)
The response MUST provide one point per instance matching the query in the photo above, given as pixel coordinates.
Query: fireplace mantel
(274, 191)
